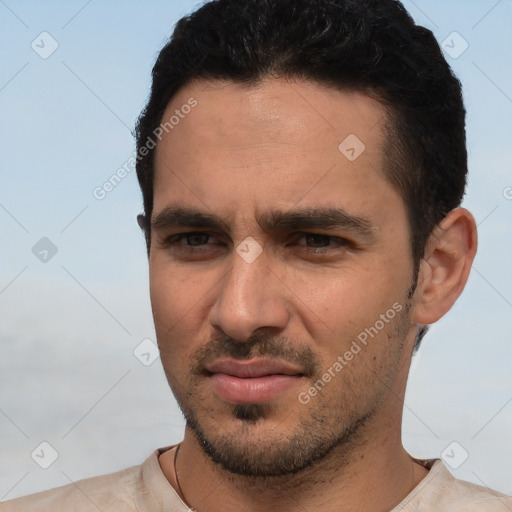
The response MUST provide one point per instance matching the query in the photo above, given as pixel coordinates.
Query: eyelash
(343, 242)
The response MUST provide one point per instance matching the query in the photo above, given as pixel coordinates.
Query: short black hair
(367, 46)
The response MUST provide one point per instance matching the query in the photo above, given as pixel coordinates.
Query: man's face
(280, 271)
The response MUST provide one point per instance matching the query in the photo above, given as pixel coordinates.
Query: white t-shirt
(144, 488)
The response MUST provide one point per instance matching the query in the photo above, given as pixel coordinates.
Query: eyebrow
(177, 216)
(305, 218)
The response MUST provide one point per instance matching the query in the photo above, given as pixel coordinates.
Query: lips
(252, 368)
(252, 381)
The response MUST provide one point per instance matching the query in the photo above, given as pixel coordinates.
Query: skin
(241, 153)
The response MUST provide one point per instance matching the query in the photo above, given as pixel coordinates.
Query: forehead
(234, 115)
(274, 144)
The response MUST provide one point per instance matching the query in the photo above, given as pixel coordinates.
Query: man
(302, 164)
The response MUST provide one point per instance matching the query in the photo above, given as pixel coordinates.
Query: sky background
(69, 326)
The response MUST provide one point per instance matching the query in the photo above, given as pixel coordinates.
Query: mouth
(252, 381)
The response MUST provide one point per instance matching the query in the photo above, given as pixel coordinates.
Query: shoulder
(440, 490)
(105, 492)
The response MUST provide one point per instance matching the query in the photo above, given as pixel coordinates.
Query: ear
(444, 270)
(142, 221)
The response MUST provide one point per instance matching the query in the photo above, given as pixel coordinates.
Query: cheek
(165, 293)
(344, 301)
(172, 301)
(175, 298)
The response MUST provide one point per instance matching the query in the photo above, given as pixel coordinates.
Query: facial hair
(329, 421)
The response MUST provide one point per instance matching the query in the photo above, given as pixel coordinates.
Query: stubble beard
(329, 425)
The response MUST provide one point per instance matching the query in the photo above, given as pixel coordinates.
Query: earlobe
(444, 271)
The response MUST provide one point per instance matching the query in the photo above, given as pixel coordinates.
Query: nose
(250, 296)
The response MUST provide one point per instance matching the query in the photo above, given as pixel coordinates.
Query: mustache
(261, 345)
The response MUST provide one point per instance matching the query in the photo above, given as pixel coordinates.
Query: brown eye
(317, 240)
(194, 246)
(197, 238)
(322, 243)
